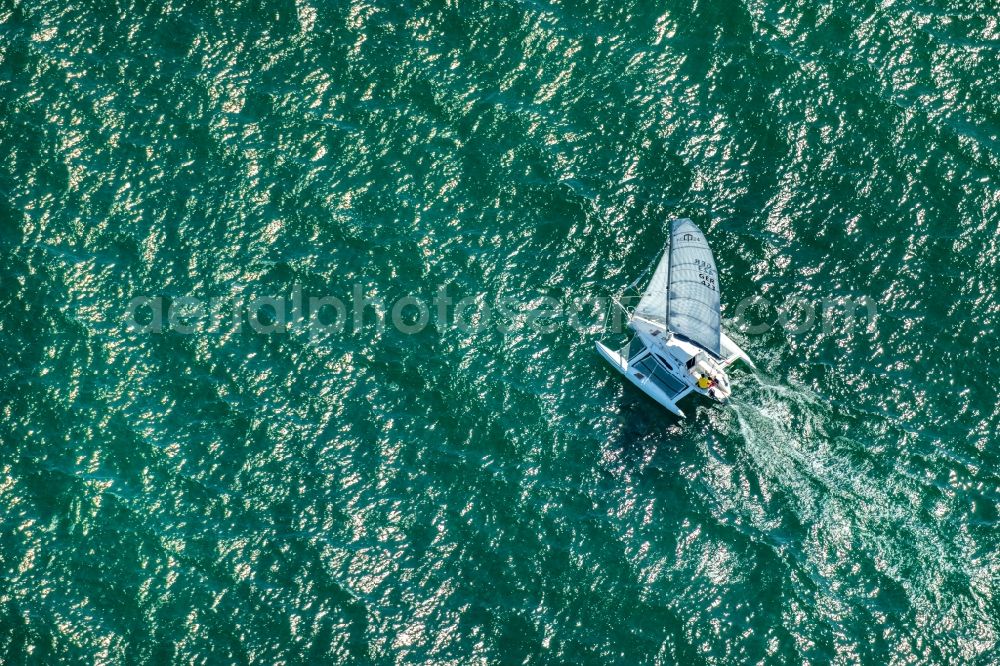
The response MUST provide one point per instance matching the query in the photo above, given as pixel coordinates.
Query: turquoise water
(498, 493)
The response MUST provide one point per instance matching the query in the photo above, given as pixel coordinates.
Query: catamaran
(678, 345)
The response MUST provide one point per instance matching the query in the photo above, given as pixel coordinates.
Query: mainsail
(683, 295)
(693, 287)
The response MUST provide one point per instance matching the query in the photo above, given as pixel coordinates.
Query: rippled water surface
(496, 494)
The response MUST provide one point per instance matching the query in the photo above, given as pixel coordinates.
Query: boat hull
(732, 351)
(621, 365)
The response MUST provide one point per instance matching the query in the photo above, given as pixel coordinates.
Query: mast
(670, 267)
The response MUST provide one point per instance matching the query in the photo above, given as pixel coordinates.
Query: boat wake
(835, 502)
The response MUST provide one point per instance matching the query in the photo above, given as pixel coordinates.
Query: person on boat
(705, 383)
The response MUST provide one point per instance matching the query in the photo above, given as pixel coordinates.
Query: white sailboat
(678, 346)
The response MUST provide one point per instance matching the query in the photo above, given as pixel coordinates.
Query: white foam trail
(856, 508)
